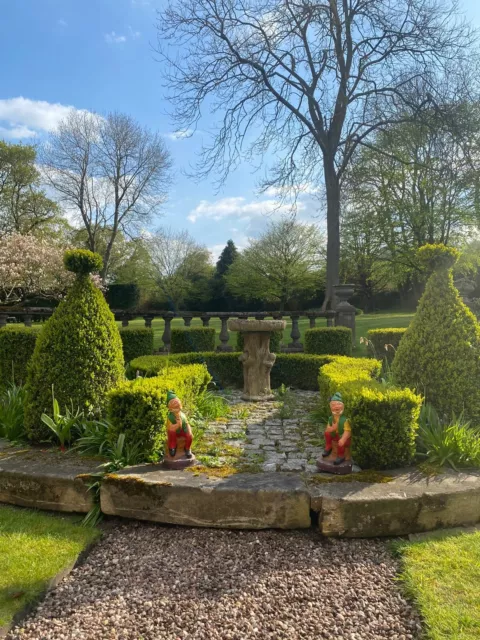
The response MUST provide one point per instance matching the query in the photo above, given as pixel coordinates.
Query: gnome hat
(337, 397)
(171, 395)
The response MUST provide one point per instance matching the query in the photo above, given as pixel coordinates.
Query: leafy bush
(212, 406)
(62, 424)
(383, 343)
(193, 340)
(12, 399)
(455, 442)
(79, 351)
(276, 338)
(92, 438)
(384, 418)
(439, 354)
(136, 342)
(17, 345)
(138, 408)
(329, 341)
(296, 370)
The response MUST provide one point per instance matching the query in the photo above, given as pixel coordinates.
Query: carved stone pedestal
(178, 461)
(256, 357)
(326, 464)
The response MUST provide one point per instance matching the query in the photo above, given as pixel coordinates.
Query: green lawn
(442, 575)
(34, 547)
(364, 323)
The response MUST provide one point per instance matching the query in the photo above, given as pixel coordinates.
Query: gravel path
(148, 582)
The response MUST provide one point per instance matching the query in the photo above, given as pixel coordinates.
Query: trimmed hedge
(17, 345)
(296, 370)
(138, 408)
(439, 355)
(384, 419)
(276, 338)
(381, 337)
(79, 351)
(136, 342)
(193, 340)
(329, 340)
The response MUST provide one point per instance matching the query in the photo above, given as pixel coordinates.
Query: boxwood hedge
(17, 345)
(136, 341)
(329, 340)
(192, 339)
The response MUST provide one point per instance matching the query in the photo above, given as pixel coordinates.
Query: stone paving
(273, 442)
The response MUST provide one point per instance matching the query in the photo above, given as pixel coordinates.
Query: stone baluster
(167, 332)
(124, 321)
(3, 320)
(295, 345)
(313, 321)
(224, 335)
(187, 320)
(27, 320)
(205, 320)
(148, 321)
(330, 318)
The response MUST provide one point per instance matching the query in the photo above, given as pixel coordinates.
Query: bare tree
(109, 171)
(308, 80)
(178, 260)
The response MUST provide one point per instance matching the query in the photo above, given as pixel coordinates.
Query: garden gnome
(177, 427)
(338, 430)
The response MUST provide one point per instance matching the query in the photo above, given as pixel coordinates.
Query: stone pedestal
(256, 357)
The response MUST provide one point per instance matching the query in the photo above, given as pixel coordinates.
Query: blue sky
(98, 55)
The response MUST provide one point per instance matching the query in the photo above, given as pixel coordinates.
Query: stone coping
(256, 326)
(410, 503)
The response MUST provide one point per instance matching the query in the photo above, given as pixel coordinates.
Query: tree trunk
(332, 187)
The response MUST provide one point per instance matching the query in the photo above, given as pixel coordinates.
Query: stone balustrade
(343, 315)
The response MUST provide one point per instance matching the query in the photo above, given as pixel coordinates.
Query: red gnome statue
(179, 435)
(338, 436)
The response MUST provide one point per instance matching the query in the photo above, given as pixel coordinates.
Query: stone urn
(256, 357)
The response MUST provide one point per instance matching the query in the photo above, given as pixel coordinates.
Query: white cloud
(62, 23)
(17, 132)
(140, 3)
(134, 34)
(306, 188)
(180, 134)
(239, 208)
(24, 118)
(114, 38)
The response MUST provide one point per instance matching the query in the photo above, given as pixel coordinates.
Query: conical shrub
(79, 351)
(439, 354)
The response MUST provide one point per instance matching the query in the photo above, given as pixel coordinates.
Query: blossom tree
(31, 267)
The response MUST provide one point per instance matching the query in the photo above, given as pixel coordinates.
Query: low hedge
(138, 408)
(136, 342)
(384, 418)
(276, 338)
(296, 370)
(329, 340)
(378, 338)
(192, 340)
(17, 345)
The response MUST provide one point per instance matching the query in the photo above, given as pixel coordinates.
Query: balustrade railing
(343, 315)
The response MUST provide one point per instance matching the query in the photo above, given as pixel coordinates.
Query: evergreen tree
(227, 258)
(222, 300)
(439, 355)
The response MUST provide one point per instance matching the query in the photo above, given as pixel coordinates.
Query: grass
(34, 547)
(442, 575)
(363, 324)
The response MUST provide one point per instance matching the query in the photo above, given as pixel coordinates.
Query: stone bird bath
(256, 357)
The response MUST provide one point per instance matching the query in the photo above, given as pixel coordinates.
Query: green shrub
(17, 345)
(136, 342)
(12, 400)
(383, 343)
(193, 340)
(276, 338)
(329, 341)
(384, 418)
(79, 352)
(296, 370)
(138, 408)
(439, 354)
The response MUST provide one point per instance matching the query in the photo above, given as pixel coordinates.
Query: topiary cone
(79, 351)
(439, 354)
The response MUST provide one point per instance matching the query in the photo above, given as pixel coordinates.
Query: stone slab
(242, 501)
(411, 503)
(45, 480)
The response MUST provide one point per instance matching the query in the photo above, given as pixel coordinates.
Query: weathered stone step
(243, 501)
